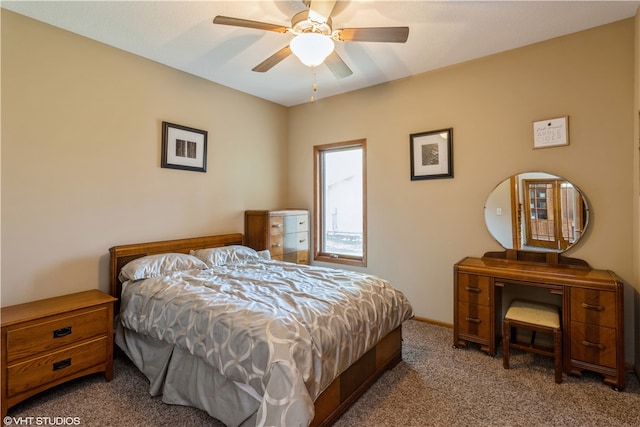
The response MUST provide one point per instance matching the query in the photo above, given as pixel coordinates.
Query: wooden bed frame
(342, 392)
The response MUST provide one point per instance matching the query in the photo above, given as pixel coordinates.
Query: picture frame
(551, 132)
(431, 154)
(184, 148)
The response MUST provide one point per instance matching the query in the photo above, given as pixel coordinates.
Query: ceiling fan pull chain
(315, 86)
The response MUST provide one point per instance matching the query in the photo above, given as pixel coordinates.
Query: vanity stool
(535, 317)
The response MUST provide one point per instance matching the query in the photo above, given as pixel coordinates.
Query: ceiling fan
(314, 37)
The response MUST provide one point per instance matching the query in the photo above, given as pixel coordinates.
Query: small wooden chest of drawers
(54, 340)
(285, 233)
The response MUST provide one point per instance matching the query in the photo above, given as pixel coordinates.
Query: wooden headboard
(121, 255)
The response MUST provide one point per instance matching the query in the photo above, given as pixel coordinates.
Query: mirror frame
(505, 217)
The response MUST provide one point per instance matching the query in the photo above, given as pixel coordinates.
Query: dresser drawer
(49, 367)
(301, 224)
(593, 307)
(302, 241)
(276, 225)
(276, 246)
(54, 332)
(473, 319)
(473, 289)
(298, 257)
(593, 344)
(296, 242)
(302, 257)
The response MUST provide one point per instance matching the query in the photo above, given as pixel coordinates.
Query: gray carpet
(435, 385)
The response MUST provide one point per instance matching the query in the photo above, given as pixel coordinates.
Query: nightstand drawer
(473, 319)
(54, 332)
(52, 366)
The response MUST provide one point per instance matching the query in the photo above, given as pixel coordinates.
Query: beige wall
(81, 132)
(419, 229)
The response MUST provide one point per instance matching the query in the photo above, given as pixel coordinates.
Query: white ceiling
(181, 34)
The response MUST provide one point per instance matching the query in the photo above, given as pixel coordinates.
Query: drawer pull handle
(276, 225)
(302, 222)
(473, 320)
(592, 307)
(475, 290)
(62, 332)
(276, 245)
(302, 240)
(62, 364)
(593, 345)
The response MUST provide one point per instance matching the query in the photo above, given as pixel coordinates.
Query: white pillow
(157, 265)
(265, 254)
(233, 254)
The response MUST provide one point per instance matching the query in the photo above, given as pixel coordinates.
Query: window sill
(337, 259)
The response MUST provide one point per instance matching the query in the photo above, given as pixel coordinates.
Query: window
(340, 232)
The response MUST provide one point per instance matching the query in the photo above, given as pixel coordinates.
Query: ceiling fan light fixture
(312, 48)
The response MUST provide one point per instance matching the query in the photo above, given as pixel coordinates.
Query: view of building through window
(343, 201)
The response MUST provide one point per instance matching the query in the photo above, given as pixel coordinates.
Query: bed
(252, 341)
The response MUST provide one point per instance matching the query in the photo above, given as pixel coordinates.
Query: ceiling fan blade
(237, 22)
(337, 66)
(271, 61)
(320, 10)
(374, 34)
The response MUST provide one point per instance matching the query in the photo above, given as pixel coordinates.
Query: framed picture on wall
(551, 132)
(431, 154)
(184, 148)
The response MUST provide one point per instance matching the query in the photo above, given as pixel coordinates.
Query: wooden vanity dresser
(592, 306)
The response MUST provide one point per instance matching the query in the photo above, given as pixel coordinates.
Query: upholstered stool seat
(537, 318)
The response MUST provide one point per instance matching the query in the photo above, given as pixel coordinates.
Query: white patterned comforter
(285, 330)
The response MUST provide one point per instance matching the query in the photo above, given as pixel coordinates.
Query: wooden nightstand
(51, 341)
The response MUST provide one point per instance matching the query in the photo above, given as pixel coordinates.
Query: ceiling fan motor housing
(300, 23)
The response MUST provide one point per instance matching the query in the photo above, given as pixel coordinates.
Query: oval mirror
(536, 211)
